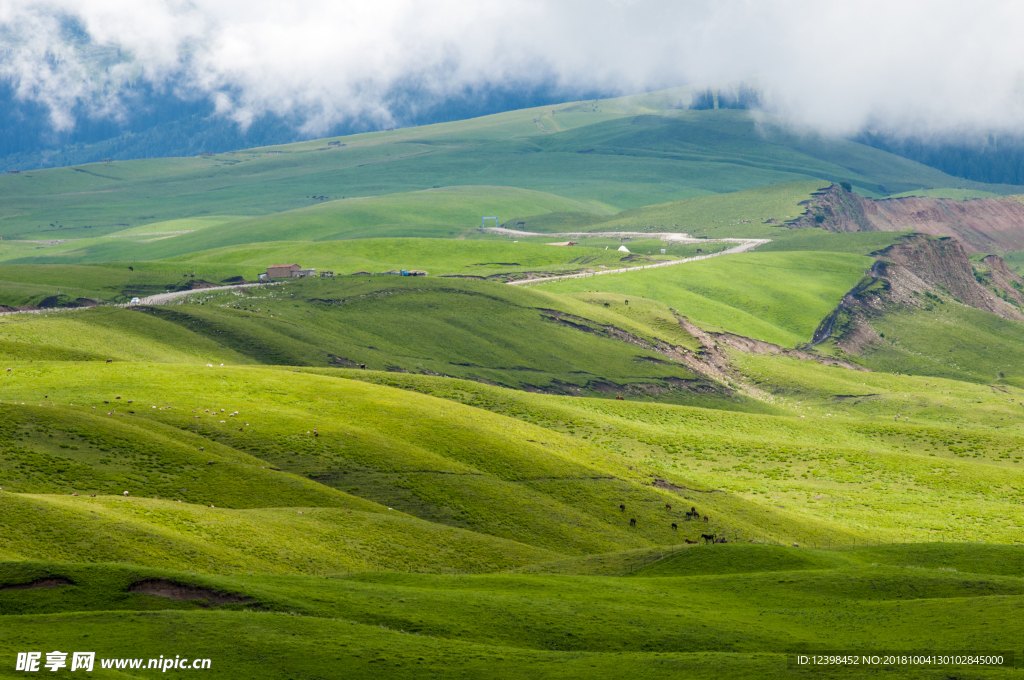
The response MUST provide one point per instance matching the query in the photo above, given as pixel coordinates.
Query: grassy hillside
(513, 625)
(312, 540)
(107, 333)
(451, 477)
(833, 468)
(860, 243)
(739, 214)
(776, 297)
(57, 285)
(480, 259)
(442, 462)
(483, 331)
(604, 156)
(568, 462)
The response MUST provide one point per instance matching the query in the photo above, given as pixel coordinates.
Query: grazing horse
(632, 521)
(693, 514)
(622, 507)
(674, 526)
(668, 506)
(705, 518)
(708, 538)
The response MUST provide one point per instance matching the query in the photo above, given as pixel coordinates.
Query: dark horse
(708, 538)
(674, 526)
(632, 521)
(622, 507)
(693, 514)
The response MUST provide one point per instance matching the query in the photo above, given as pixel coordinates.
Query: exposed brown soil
(179, 591)
(921, 264)
(54, 582)
(712, 361)
(920, 269)
(982, 225)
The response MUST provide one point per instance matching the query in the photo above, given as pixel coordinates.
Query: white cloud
(926, 65)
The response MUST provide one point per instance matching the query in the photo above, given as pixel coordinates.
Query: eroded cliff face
(918, 269)
(939, 265)
(982, 225)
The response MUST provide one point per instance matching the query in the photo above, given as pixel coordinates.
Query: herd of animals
(690, 514)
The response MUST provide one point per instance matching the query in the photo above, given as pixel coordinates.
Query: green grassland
(461, 507)
(739, 214)
(775, 297)
(480, 259)
(61, 284)
(826, 463)
(614, 160)
(520, 488)
(171, 227)
(860, 242)
(107, 333)
(442, 462)
(756, 603)
(480, 330)
(815, 479)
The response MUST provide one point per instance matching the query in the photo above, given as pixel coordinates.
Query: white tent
(623, 249)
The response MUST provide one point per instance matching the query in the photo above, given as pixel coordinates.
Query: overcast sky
(935, 65)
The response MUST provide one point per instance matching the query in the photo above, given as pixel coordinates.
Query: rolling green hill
(451, 477)
(484, 331)
(522, 626)
(775, 297)
(611, 159)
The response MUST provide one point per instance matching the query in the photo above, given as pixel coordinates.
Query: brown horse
(705, 518)
(622, 507)
(708, 538)
(632, 521)
(689, 542)
(668, 507)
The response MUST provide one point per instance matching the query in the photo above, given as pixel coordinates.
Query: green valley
(606, 389)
